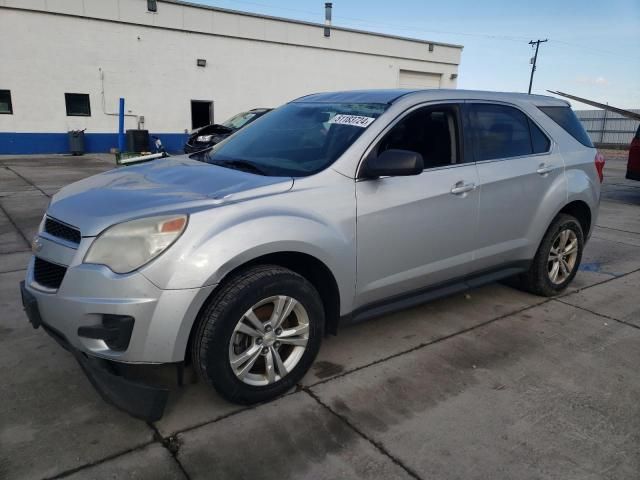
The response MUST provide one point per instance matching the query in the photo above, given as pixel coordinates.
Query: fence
(608, 128)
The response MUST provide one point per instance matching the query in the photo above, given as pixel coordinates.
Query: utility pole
(535, 58)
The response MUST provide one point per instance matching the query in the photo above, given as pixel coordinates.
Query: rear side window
(539, 141)
(565, 117)
(500, 131)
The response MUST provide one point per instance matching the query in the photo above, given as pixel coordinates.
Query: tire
(539, 278)
(220, 337)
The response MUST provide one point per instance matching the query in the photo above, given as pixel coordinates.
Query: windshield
(297, 139)
(237, 121)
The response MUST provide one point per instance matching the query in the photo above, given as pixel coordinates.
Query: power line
(315, 16)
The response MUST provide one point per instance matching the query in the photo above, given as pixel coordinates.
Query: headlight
(204, 138)
(127, 246)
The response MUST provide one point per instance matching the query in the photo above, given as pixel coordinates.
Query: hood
(175, 184)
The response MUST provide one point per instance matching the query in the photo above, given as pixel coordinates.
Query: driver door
(417, 231)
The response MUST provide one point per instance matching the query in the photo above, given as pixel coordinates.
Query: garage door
(412, 79)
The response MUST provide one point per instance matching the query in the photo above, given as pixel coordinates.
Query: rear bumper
(140, 400)
(633, 174)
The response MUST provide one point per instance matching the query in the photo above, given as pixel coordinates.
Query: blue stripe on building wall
(25, 143)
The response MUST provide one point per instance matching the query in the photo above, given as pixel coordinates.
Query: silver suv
(333, 208)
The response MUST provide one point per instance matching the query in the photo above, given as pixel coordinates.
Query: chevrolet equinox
(333, 208)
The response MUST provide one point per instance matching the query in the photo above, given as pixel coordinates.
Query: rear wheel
(259, 334)
(557, 259)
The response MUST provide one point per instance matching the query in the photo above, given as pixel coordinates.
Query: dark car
(633, 166)
(209, 135)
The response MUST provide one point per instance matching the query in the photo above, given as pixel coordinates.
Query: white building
(65, 63)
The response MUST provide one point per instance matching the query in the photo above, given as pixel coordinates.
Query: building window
(5, 102)
(152, 6)
(77, 104)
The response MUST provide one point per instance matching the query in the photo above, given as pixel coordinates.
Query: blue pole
(121, 126)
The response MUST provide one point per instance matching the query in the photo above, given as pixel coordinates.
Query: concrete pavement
(494, 383)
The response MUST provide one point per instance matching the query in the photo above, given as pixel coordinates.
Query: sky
(593, 49)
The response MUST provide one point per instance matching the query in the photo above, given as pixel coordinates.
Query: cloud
(599, 81)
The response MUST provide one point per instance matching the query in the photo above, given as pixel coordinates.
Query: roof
(357, 96)
(391, 95)
(313, 24)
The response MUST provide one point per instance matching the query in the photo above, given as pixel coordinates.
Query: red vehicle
(633, 166)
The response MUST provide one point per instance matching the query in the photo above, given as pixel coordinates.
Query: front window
(297, 139)
(239, 120)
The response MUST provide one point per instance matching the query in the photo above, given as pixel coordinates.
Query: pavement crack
(172, 443)
(618, 230)
(426, 344)
(15, 225)
(608, 317)
(377, 445)
(620, 242)
(71, 471)
(26, 180)
(579, 290)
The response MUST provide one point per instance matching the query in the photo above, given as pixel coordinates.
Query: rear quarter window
(566, 118)
(539, 140)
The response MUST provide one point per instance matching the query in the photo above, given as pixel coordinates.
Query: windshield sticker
(355, 120)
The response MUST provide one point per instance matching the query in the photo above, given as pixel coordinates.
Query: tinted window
(565, 117)
(539, 140)
(5, 101)
(241, 119)
(77, 104)
(297, 139)
(431, 132)
(500, 132)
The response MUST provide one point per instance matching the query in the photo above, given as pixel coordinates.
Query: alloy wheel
(269, 340)
(562, 256)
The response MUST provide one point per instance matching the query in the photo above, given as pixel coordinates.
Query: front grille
(48, 274)
(61, 230)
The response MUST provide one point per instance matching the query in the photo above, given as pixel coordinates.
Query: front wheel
(259, 334)
(557, 259)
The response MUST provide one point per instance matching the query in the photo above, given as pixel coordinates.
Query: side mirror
(394, 163)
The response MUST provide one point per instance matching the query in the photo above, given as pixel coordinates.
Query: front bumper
(140, 400)
(91, 295)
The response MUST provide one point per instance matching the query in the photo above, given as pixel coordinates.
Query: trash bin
(76, 142)
(137, 140)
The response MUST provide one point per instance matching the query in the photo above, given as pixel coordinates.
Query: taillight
(599, 161)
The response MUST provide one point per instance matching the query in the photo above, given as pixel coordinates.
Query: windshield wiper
(239, 165)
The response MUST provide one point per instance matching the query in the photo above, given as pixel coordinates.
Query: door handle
(460, 188)
(544, 169)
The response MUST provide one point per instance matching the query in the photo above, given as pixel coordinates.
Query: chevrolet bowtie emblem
(36, 245)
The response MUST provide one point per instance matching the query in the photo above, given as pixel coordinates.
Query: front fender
(255, 238)
(222, 239)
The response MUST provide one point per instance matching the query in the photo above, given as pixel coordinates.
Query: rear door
(417, 231)
(518, 169)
